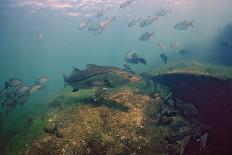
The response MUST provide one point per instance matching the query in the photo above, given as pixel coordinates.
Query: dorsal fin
(75, 69)
(91, 65)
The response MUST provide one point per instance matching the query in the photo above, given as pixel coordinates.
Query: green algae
(194, 67)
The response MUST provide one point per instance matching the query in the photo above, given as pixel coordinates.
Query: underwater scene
(115, 77)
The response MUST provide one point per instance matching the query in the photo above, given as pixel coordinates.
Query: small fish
(187, 108)
(133, 22)
(142, 60)
(146, 36)
(84, 24)
(35, 88)
(22, 90)
(42, 80)
(174, 46)
(132, 57)
(22, 99)
(183, 25)
(161, 46)
(102, 12)
(98, 31)
(203, 141)
(39, 36)
(164, 57)
(105, 23)
(162, 12)
(185, 52)
(147, 21)
(9, 102)
(14, 82)
(126, 3)
(3, 92)
(93, 27)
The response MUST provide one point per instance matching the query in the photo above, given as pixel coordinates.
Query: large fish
(77, 76)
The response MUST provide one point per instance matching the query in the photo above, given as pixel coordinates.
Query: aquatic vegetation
(195, 68)
(105, 127)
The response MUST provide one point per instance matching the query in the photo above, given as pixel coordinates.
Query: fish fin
(153, 33)
(75, 69)
(91, 65)
(65, 79)
(6, 85)
(75, 89)
(191, 23)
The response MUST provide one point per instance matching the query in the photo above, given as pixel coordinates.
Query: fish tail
(65, 79)
(191, 23)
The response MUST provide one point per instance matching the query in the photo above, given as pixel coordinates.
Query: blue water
(24, 55)
(63, 46)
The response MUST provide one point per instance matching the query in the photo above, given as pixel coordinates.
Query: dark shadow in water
(107, 103)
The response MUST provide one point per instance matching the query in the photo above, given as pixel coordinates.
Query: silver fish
(22, 90)
(126, 3)
(35, 88)
(84, 24)
(42, 80)
(162, 12)
(14, 82)
(183, 25)
(78, 76)
(133, 22)
(148, 21)
(146, 36)
(93, 27)
(22, 99)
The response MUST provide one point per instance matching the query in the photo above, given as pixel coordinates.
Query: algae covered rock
(122, 123)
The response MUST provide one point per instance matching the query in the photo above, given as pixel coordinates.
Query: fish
(147, 21)
(187, 108)
(3, 92)
(161, 46)
(133, 22)
(126, 3)
(105, 23)
(42, 80)
(142, 61)
(162, 12)
(93, 27)
(132, 57)
(128, 68)
(183, 25)
(35, 88)
(146, 36)
(174, 46)
(22, 90)
(101, 12)
(164, 57)
(39, 36)
(203, 141)
(22, 99)
(98, 31)
(147, 77)
(91, 70)
(9, 102)
(14, 82)
(84, 24)
(185, 51)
